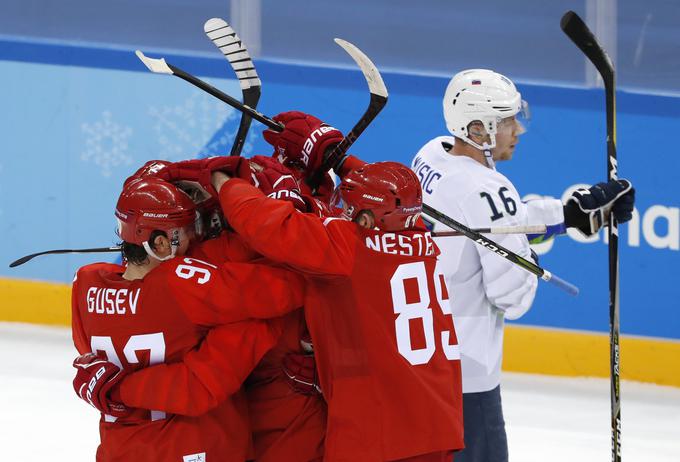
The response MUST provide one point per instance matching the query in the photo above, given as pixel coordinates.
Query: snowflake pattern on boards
(198, 125)
(106, 144)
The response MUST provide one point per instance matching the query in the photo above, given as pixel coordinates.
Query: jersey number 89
(420, 310)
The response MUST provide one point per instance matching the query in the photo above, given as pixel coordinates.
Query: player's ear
(161, 244)
(477, 132)
(365, 219)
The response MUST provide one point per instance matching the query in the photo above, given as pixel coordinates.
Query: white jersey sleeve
(548, 212)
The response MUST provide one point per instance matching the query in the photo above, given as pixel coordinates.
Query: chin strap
(152, 254)
(174, 244)
(488, 156)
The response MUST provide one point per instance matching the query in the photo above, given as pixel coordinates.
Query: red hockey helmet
(148, 204)
(388, 189)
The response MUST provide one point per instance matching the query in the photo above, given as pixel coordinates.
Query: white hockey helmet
(480, 95)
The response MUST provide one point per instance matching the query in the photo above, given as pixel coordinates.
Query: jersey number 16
(508, 203)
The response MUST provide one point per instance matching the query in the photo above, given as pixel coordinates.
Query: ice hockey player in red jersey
(162, 308)
(287, 412)
(384, 342)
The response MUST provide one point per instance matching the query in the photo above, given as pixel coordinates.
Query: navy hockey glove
(588, 209)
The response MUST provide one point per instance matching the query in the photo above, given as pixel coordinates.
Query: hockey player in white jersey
(482, 110)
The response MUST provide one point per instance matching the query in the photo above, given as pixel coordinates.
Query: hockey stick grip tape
(568, 287)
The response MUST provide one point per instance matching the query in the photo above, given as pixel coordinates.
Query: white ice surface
(548, 418)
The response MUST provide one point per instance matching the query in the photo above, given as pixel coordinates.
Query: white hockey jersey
(484, 288)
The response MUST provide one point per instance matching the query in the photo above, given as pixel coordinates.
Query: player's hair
(136, 254)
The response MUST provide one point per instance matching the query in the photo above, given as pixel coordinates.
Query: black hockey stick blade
(581, 35)
(23, 260)
(501, 251)
(160, 66)
(230, 45)
(378, 101)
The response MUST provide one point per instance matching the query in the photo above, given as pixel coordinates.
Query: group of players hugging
(254, 318)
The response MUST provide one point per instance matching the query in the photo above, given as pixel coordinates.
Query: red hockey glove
(199, 171)
(95, 379)
(277, 181)
(151, 168)
(303, 141)
(194, 175)
(300, 370)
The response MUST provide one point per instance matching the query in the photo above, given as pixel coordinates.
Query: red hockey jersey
(376, 308)
(162, 318)
(285, 425)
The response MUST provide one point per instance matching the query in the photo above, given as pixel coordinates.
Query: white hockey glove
(588, 209)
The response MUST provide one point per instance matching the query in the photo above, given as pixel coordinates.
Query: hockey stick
(23, 260)
(223, 36)
(378, 101)
(160, 66)
(533, 229)
(375, 83)
(509, 255)
(578, 32)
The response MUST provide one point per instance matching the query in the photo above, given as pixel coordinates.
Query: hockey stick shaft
(376, 104)
(27, 258)
(160, 66)
(223, 36)
(534, 229)
(501, 251)
(251, 97)
(579, 33)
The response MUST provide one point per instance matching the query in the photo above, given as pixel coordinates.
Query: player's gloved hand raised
(199, 171)
(303, 142)
(95, 379)
(276, 181)
(194, 176)
(151, 168)
(300, 372)
(588, 209)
